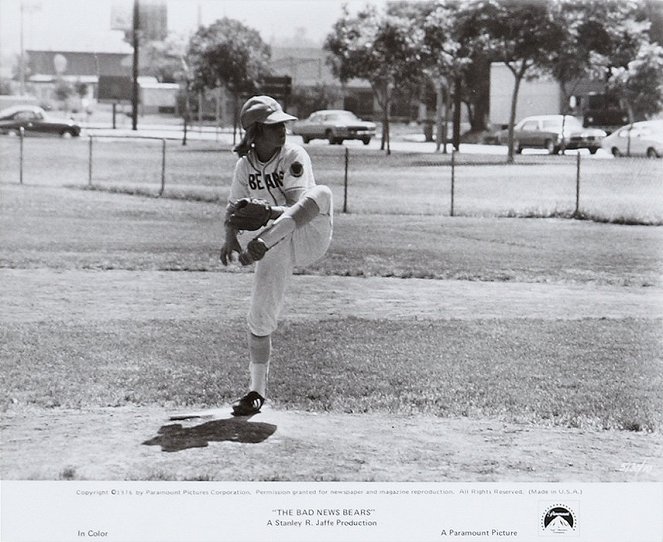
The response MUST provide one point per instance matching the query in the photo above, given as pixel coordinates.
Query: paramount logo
(558, 519)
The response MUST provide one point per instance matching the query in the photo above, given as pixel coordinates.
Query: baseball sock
(259, 351)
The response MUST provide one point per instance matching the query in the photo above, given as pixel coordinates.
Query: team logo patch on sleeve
(297, 169)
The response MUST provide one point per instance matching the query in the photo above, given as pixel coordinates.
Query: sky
(85, 24)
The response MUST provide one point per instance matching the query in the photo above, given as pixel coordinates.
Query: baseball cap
(263, 109)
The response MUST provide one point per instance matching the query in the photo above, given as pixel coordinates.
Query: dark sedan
(553, 132)
(35, 121)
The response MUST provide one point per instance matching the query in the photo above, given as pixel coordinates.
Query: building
(306, 66)
(46, 70)
(544, 96)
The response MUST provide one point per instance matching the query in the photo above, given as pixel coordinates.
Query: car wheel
(651, 153)
(13, 133)
(306, 139)
(615, 152)
(549, 146)
(592, 150)
(330, 137)
(366, 140)
(517, 148)
(66, 134)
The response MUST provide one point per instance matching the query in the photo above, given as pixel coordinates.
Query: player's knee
(261, 327)
(322, 195)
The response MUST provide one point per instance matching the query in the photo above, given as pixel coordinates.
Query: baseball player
(274, 197)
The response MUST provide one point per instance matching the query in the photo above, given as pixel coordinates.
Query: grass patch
(64, 229)
(199, 196)
(153, 192)
(624, 191)
(557, 373)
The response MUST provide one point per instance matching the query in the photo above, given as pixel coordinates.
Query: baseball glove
(250, 214)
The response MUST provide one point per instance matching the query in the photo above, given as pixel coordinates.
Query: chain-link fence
(628, 190)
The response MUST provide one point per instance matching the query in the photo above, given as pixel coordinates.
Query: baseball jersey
(279, 181)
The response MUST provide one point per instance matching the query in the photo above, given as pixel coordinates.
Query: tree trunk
(470, 113)
(481, 95)
(440, 138)
(447, 108)
(514, 103)
(383, 96)
(235, 116)
(457, 107)
(629, 110)
(385, 127)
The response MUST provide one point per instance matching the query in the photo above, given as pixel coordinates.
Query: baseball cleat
(248, 405)
(255, 251)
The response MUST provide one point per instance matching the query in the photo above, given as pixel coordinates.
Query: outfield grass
(69, 229)
(621, 191)
(590, 374)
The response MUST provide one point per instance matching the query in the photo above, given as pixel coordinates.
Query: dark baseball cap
(263, 109)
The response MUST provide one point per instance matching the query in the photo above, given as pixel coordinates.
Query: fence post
(345, 182)
(163, 167)
(577, 211)
(21, 132)
(453, 180)
(89, 166)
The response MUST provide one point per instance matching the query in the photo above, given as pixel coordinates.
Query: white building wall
(536, 97)
(158, 95)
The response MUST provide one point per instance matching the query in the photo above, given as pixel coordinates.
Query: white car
(334, 125)
(643, 138)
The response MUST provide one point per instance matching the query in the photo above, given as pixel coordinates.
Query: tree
(81, 89)
(521, 34)
(168, 61)
(380, 48)
(583, 35)
(624, 57)
(231, 55)
(305, 100)
(446, 56)
(639, 85)
(5, 86)
(63, 90)
(164, 58)
(601, 39)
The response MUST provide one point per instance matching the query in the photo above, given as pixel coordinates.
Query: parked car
(643, 138)
(545, 132)
(608, 119)
(335, 125)
(34, 120)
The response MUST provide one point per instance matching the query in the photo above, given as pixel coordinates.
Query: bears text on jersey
(274, 180)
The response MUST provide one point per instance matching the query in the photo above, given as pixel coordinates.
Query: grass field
(621, 191)
(509, 370)
(114, 300)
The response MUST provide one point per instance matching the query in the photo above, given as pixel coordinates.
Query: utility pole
(134, 93)
(22, 61)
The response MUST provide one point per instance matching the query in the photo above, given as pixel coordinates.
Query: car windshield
(556, 124)
(18, 113)
(344, 116)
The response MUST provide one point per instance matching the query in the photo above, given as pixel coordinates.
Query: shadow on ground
(175, 437)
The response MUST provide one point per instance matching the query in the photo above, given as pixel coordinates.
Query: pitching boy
(274, 193)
